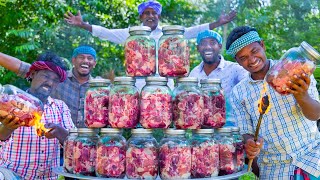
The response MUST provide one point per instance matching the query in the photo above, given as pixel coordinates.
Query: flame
(264, 101)
(40, 129)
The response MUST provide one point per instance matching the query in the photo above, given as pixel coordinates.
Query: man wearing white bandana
(149, 14)
(289, 142)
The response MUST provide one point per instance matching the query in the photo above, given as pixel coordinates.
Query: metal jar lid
(73, 130)
(209, 81)
(314, 53)
(173, 28)
(175, 131)
(139, 28)
(141, 131)
(235, 129)
(204, 131)
(110, 130)
(224, 130)
(99, 80)
(156, 79)
(188, 79)
(124, 79)
(85, 130)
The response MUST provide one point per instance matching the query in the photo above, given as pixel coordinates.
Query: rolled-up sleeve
(192, 32)
(23, 69)
(118, 36)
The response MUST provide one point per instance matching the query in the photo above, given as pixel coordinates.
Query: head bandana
(84, 50)
(150, 4)
(46, 65)
(209, 34)
(243, 41)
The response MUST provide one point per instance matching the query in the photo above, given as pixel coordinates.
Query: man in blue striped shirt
(289, 139)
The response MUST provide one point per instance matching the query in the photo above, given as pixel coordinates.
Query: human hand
(253, 148)
(298, 85)
(10, 122)
(73, 19)
(226, 18)
(56, 131)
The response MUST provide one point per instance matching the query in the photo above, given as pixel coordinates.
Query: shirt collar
(221, 65)
(71, 75)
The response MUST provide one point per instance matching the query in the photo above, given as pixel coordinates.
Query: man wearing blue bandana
(149, 14)
(72, 90)
(289, 141)
(214, 66)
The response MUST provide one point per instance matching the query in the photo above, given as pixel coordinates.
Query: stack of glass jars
(188, 104)
(97, 103)
(111, 154)
(156, 103)
(173, 53)
(84, 152)
(205, 154)
(68, 147)
(227, 164)
(175, 155)
(142, 155)
(140, 52)
(124, 103)
(214, 103)
(239, 144)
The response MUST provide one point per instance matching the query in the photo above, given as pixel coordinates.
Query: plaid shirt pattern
(70, 91)
(31, 156)
(290, 139)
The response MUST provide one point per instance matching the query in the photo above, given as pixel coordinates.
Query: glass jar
(142, 155)
(205, 154)
(84, 152)
(140, 52)
(295, 61)
(111, 154)
(214, 110)
(174, 155)
(156, 103)
(68, 146)
(227, 151)
(173, 53)
(20, 104)
(97, 103)
(187, 104)
(124, 103)
(239, 144)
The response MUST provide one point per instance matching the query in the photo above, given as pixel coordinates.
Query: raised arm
(10, 63)
(223, 19)
(76, 20)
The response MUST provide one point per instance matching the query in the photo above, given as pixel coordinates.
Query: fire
(40, 129)
(264, 103)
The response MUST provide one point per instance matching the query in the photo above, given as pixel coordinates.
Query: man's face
(209, 50)
(43, 82)
(83, 64)
(252, 57)
(150, 18)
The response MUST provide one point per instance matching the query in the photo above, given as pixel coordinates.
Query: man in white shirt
(214, 66)
(149, 13)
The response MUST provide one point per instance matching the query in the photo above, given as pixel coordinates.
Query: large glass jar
(214, 111)
(156, 103)
(111, 154)
(295, 61)
(124, 103)
(239, 144)
(68, 146)
(187, 104)
(142, 155)
(174, 155)
(97, 103)
(227, 151)
(20, 104)
(173, 53)
(140, 52)
(205, 154)
(84, 152)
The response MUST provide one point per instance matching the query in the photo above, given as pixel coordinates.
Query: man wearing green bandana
(289, 141)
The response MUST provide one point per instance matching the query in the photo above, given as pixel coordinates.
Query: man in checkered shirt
(24, 152)
(289, 141)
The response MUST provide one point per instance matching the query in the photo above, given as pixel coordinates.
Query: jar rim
(187, 79)
(73, 130)
(314, 53)
(139, 28)
(235, 129)
(175, 131)
(124, 79)
(224, 130)
(99, 80)
(209, 81)
(173, 27)
(204, 131)
(141, 131)
(85, 130)
(156, 78)
(110, 130)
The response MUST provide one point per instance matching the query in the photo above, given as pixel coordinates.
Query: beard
(214, 59)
